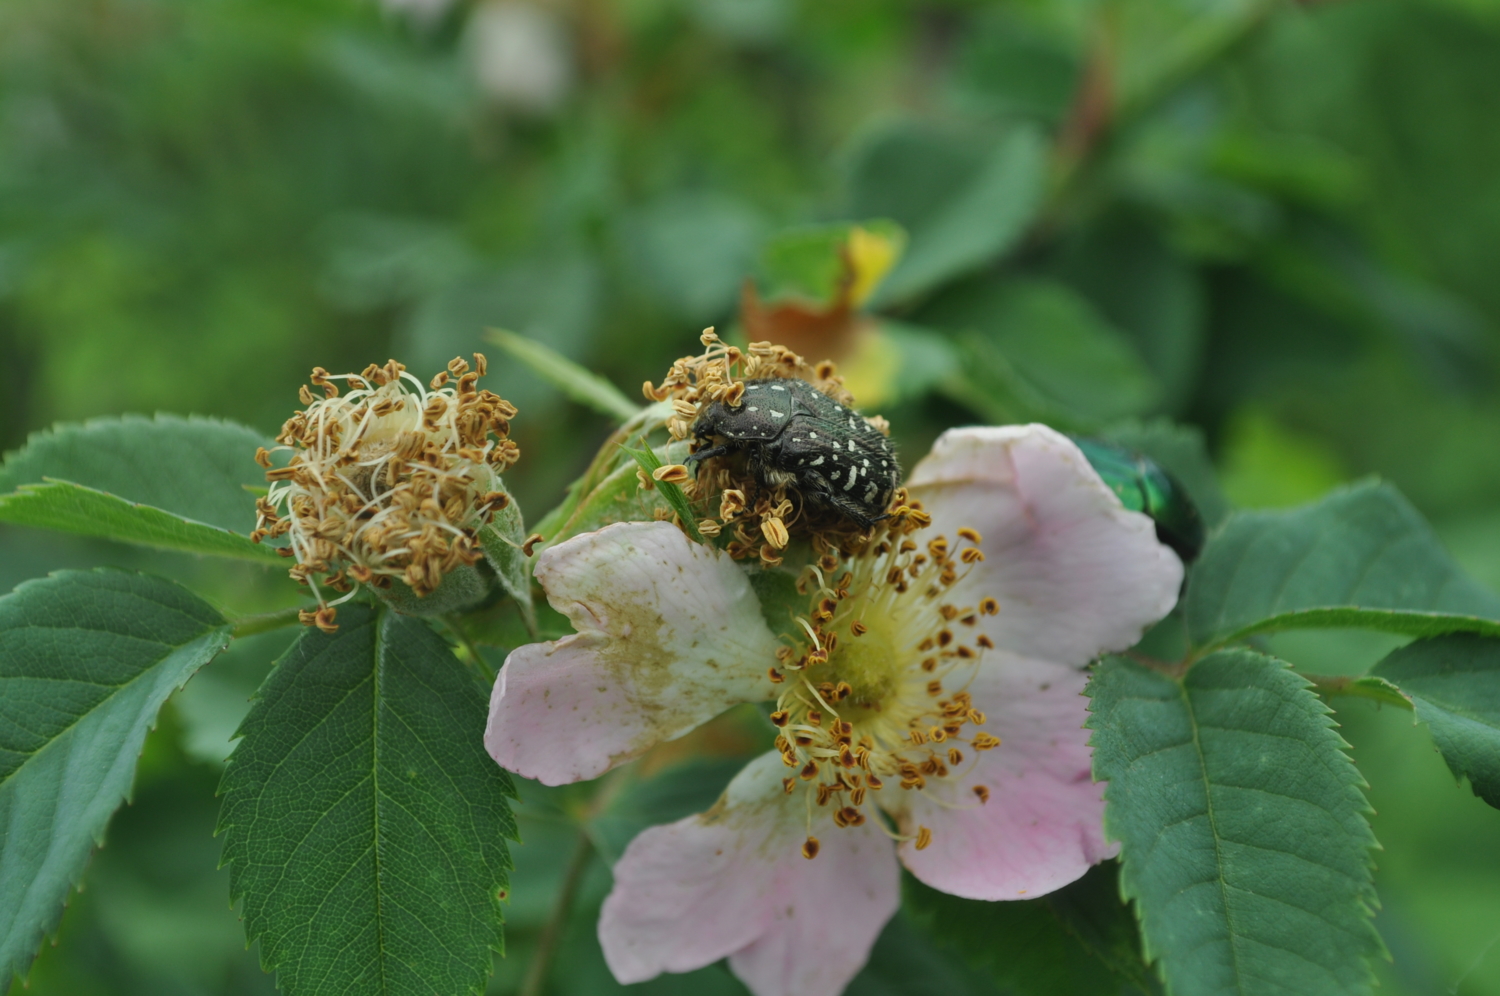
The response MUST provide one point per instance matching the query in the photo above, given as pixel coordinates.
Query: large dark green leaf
(1081, 939)
(364, 824)
(86, 660)
(1454, 682)
(167, 481)
(1362, 557)
(963, 198)
(1244, 836)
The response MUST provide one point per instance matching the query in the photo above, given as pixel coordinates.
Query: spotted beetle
(794, 434)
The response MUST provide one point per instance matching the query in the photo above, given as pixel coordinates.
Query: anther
(672, 473)
(984, 741)
(780, 717)
(989, 606)
(775, 532)
(788, 784)
(810, 848)
(971, 555)
(858, 628)
(984, 641)
(983, 793)
(775, 676)
(934, 688)
(955, 756)
(972, 535)
(530, 544)
(924, 837)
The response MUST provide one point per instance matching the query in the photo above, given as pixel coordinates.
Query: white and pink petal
(1042, 826)
(1075, 572)
(733, 883)
(670, 634)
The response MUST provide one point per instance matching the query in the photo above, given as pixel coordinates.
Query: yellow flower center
(875, 696)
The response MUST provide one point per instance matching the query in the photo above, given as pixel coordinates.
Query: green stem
(265, 622)
(477, 659)
(546, 948)
(1330, 685)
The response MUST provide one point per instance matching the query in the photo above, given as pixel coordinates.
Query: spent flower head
(389, 481)
(761, 517)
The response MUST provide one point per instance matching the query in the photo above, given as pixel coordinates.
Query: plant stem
(546, 948)
(265, 622)
(477, 659)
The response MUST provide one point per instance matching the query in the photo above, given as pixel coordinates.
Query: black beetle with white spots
(793, 434)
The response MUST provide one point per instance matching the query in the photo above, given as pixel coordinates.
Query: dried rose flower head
(762, 519)
(390, 482)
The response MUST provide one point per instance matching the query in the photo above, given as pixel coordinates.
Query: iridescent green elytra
(1143, 486)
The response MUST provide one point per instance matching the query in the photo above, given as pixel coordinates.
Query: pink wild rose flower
(936, 677)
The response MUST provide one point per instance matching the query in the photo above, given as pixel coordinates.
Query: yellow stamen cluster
(762, 520)
(875, 690)
(392, 480)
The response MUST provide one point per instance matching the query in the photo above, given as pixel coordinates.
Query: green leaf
(1362, 557)
(1081, 939)
(194, 468)
(963, 199)
(73, 508)
(583, 386)
(364, 824)
(813, 261)
(86, 660)
(1044, 345)
(1454, 682)
(648, 460)
(502, 540)
(1244, 836)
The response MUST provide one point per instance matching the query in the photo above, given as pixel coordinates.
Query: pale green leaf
(73, 508)
(86, 660)
(1244, 835)
(583, 386)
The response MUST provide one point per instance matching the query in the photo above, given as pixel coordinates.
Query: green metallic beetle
(1143, 486)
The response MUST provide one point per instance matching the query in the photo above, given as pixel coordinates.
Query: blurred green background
(1276, 222)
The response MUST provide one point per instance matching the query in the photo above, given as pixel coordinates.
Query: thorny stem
(265, 622)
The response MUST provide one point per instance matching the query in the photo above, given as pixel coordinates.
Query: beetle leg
(713, 451)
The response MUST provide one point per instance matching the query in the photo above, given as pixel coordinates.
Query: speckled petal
(1074, 571)
(669, 635)
(1043, 824)
(733, 882)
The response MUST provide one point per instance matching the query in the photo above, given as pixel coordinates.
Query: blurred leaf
(1268, 466)
(1179, 449)
(1454, 682)
(195, 468)
(72, 508)
(1081, 939)
(86, 660)
(1149, 291)
(1045, 346)
(1243, 829)
(693, 249)
(893, 361)
(577, 382)
(812, 261)
(364, 824)
(212, 705)
(555, 299)
(676, 793)
(962, 198)
(1362, 557)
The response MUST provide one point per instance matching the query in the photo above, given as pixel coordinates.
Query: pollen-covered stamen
(876, 688)
(391, 480)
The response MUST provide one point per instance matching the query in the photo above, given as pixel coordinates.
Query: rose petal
(733, 882)
(669, 635)
(1075, 573)
(1043, 824)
